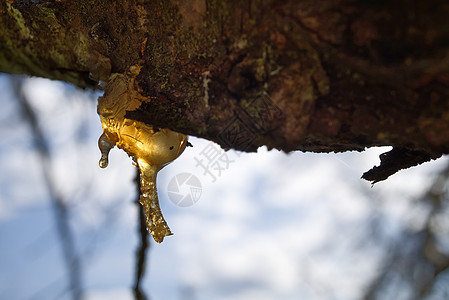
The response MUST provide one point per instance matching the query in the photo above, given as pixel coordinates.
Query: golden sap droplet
(150, 149)
(105, 145)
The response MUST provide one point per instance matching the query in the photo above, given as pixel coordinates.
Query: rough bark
(294, 75)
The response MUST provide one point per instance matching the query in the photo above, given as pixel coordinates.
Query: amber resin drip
(150, 148)
(156, 224)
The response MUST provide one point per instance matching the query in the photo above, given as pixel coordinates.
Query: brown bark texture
(307, 75)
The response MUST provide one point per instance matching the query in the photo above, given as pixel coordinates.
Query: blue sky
(270, 226)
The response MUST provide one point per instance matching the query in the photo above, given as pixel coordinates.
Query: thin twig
(59, 208)
(142, 248)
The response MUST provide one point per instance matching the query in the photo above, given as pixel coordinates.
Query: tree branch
(290, 75)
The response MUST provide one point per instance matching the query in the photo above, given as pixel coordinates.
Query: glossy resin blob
(151, 148)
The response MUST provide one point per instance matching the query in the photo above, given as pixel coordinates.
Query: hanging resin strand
(155, 221)
(151, 149)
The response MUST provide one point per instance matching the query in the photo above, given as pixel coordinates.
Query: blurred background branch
(61, 213)
(416, 258)
(143, 247)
